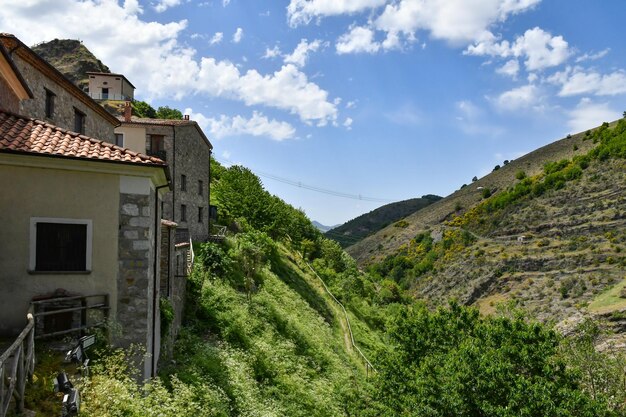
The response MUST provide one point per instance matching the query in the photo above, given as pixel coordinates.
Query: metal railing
(217, 233)
(109, 96)
(46, 308)
(368, 364)
(17, 364)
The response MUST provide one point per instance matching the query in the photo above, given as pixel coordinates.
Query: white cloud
(301, 53)
(518, 98)
(593, 57)
(511, 68)
(540, 48)
(456, 21)
(272, 53)
(576, 81)
(163, 5)
(587, 115)
(238, 35)
(149, 54)
(350, 104)
(217, 38)
(359, 39)
(303, 11)
(348, 123)
(225, 3)
(257, 125)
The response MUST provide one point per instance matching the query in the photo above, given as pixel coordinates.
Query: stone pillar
(135, 283)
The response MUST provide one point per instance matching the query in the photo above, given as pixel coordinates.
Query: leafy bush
(452, 362)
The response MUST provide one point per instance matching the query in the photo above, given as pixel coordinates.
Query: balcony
(109, 96)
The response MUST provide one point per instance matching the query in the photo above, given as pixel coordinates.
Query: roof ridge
(20, 135)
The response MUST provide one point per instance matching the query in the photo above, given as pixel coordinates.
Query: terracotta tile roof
(159, 122)
(21, 134)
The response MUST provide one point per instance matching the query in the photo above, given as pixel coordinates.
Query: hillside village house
(108, 86)
(55, 99)
(181, 143)
(79, 214)
(187, 151)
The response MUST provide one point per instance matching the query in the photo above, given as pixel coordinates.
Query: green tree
(165, 112)
(452, 362)
(143, 109)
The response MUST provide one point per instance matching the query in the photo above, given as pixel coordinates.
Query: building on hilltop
(108, 86)
(187, 150)
(54, 98)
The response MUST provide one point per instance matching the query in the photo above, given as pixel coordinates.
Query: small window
(183, 213)
(200, 187)
(116, 79)
(183, 182)
(119, 139)
(50, 104)
(79, 121)
(60, 245)
(105, 82)
(200, 215)
(156, 143)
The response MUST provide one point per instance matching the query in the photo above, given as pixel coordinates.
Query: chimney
(186, 117)
(128, 111)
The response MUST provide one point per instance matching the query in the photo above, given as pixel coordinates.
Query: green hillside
(72, 59)
(367, 224)
(546, 233)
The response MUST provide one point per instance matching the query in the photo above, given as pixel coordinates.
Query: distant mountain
(360, 227)
(545, 232)
(72, 59)
(322, 228)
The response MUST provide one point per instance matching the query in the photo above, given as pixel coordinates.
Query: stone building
(55, 99)
(187, 151)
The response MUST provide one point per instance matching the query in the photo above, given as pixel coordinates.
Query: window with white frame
(60, 245)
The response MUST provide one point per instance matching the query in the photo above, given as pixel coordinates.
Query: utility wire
(314, 188)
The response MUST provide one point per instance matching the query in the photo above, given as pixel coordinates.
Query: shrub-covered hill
(262, 337)
(547, 232)
(367, 224)
(72, 59)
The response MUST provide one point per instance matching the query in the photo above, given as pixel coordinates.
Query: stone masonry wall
(64, 103)
(135, 279)
(193, 161)
(187, 154)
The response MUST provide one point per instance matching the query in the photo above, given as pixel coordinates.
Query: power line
(299, 184)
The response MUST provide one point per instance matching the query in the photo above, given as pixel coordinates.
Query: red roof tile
(25, 135)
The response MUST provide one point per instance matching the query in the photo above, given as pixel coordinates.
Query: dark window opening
(105, 93)
(61, 247)
(200, 215)
(156, 146)
(119, 139)
(79, 121)
(50, 104)
(183, 213)
(200, 187)
(183, 182)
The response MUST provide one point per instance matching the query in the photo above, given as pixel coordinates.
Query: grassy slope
(367, 224)
(280, 353)
(574, 248)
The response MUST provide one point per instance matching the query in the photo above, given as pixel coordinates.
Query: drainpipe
(157, 221)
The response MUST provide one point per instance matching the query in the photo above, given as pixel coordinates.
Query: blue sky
(383, 99)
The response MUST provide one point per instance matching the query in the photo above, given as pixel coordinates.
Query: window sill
(31, 272)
